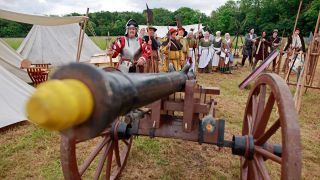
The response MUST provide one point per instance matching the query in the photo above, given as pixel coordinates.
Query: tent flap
(13, 94)
(56, 45)
(11, 61)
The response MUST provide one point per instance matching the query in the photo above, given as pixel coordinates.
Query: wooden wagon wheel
(270, 107)
(112, 151)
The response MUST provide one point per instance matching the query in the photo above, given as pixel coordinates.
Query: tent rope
(91, 30)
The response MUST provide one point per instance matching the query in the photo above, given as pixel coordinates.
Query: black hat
(132, 23)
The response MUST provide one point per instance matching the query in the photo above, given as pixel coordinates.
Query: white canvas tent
(13, 94)
(57, 45)
(55, 40)
(163, 30)
(11, 60)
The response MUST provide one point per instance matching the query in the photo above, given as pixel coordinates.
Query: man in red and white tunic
(134, 52)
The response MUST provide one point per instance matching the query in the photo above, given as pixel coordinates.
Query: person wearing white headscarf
(205, 53)
(226, 55)
(216, 47)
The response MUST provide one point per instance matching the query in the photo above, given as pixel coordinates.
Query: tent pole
(83, 31)
(80, 32)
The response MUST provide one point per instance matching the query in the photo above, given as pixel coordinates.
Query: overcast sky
(60, 7)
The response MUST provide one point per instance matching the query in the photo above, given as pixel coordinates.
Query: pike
(178, 21)
(294, 50)
(149, 15)
(198, 39)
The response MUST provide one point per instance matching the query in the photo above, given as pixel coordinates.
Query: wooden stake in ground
(81, 37)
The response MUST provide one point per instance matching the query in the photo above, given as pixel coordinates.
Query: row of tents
(51, 40)
(54, 40)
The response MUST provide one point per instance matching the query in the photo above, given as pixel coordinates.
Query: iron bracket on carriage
(173, 105)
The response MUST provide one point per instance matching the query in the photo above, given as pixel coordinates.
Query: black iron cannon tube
(117, 93)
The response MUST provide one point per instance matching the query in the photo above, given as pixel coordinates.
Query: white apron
(205, 56)
(298, 63)
(216, 57)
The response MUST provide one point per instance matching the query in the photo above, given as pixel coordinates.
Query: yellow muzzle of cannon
(60, 104)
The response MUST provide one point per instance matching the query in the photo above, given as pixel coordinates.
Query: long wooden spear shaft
(294, 29)
(198, 39)
(148, 24)
(297, 17)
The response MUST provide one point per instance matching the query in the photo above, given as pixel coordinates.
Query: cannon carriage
(173, 105)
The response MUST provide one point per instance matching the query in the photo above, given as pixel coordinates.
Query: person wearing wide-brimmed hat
(275, 42)
(172, 49)
(248, 48)
(134, 52)
(153, 61)
(185, 49)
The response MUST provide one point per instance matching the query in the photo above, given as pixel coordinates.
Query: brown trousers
(152, 65)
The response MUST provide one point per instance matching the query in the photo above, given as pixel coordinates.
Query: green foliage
(13, 29)
(233, 16)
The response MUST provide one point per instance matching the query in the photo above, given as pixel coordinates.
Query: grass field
(29, 152)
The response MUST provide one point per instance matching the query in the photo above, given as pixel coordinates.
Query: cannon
(173, 105)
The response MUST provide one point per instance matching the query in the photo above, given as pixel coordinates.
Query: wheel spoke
(92, 155)
(249, 121)
(244, 168)
(267, 154)
(261, 123)
(252, 170)
(272, 130)
(101, 161)
(109, 162)
(105, 133)
(254, 105)
(116, 153)
(261, 105)
(259, 162)
(125, 141)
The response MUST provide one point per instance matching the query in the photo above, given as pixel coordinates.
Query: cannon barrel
(115, 94)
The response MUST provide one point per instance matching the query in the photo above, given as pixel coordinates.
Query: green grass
(14, 42)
